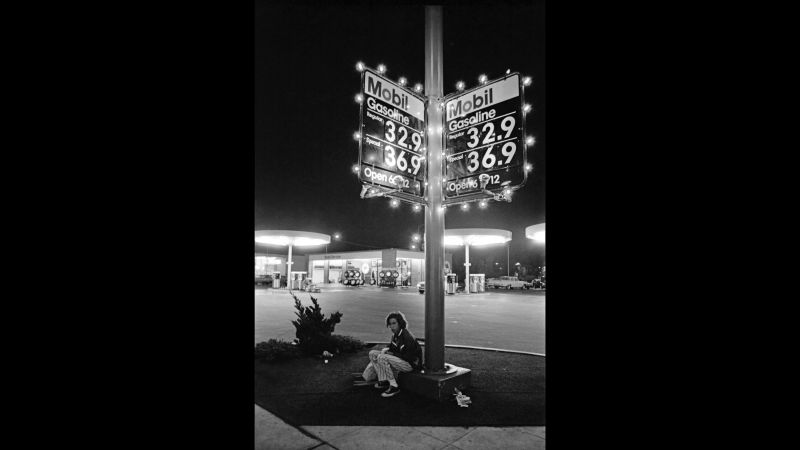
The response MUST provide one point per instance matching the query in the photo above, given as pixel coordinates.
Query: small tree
(313, 330)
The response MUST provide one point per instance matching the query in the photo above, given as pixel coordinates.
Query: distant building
(329, 268)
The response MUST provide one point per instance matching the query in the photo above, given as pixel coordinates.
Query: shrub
(276, 350)
(346, 344)
(313, 330)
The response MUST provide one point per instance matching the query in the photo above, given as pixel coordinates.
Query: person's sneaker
(391, 391)
(381, 384)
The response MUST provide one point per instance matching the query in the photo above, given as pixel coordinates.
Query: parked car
(507, 282)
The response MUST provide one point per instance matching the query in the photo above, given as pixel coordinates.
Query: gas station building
(328, 268)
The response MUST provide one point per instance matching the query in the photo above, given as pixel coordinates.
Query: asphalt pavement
(513, 320)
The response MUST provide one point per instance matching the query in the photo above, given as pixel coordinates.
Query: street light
(336, 237)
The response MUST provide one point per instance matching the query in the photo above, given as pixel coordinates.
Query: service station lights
(483, 79)
(433, 131)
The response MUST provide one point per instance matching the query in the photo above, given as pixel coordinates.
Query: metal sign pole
(289, 268)
(434, 213)
(466, 267)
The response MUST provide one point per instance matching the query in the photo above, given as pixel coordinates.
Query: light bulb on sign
(507, 191)
(360, 66)
(355, 168)
(508, 71)
(418, 87)
(381, 69)
(359, 98)
(356, 135)
(528, 167)
(483, 78)
(460, 85)
(529, 141)
(402, 81)
(394, 203)
(527, 108)
(482, 204)
(527, 81)
(465, 207)
(417, 208)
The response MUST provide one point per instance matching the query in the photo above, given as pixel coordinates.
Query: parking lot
(513, 320)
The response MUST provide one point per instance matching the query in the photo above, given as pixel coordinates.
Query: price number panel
(392, 135)
(484, 138)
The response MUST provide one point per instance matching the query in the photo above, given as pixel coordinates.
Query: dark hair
(401, 319)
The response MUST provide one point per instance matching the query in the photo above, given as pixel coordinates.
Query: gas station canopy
(290, 237)
(535, 232)
(476, 236)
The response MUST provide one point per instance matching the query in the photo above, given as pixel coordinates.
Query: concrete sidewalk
(273, 433)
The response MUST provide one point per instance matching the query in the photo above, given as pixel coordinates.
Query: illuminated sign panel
(484, 132)
(391, 143)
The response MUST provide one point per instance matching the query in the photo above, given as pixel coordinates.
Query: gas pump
(276, 280)
(452, 283)
(477, 282)
(296, 280)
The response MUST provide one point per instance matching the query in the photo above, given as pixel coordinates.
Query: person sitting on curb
(402, 355)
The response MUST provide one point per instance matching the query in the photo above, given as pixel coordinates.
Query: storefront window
(267, 265)
(335, 270)
(404, 267)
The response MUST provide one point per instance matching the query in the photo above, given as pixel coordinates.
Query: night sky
(305, 116)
